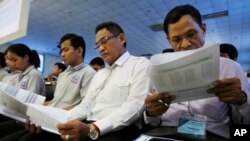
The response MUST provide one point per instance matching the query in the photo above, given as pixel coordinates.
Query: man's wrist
(244, 98)
(94, 132)
(148, 114)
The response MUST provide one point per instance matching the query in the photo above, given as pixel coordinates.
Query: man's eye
(191, 34)
(176, 40)
(97, 46)
(13, 60)
(64, 50)
(104, 40)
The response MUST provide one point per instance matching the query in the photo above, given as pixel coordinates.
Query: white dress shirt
(116, 94)
(216, 111)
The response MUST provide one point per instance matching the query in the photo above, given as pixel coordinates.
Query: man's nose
(185, 43)
(62, 54)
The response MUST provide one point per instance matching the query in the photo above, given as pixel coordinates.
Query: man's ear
(204, 28)
(79, 51)
(122, 38)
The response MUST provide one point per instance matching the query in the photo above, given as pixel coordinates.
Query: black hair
(61, 66)
(167, 50)
(75, 40)
(97, 60)
(112, 27)
(22, 50)
(178, 12)
(2, 60)
(230, 50)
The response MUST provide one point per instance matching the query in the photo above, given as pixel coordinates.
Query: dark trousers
(15, 136)
(9, 127)
(126, 134)
(3, 118)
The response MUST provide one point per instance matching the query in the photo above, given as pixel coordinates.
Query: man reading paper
(185, 31)
(115, 98)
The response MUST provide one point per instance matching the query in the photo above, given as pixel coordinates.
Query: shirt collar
(76, 68)
(121, 60)
(31, 67)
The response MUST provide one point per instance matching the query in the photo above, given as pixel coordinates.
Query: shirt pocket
(117, 91)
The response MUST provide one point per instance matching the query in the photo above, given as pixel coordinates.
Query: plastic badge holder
(192, 125)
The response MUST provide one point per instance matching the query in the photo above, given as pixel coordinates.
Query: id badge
(193, 125)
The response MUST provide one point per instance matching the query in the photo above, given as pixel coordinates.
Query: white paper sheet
(13, 101)
(47, 117)
(186, 74)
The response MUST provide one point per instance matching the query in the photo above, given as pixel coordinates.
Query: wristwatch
(93, 132)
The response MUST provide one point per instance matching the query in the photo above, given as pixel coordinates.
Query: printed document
(186, 74)
(21, 105)
(47, 117)
(13, 101)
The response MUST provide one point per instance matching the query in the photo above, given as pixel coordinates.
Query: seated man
(50, 83)
(57, 69)
(73, 83)
(97, 63)
(115, 97)
(185, 31)
(228, 51)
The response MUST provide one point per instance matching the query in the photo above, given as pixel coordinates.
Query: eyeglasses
(104, 40)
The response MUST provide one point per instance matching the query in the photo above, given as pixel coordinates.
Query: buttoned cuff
(153, 121)
(104, 126)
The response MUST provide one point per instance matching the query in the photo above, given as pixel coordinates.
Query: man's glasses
(104, 41)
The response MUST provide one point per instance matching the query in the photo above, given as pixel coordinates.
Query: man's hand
(50, 76)
(229, 91)
(32, 128)
(155, 103)
(74, 130)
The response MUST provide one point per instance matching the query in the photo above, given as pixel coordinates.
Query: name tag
(75, 79)
(192, 125)
(23, 85)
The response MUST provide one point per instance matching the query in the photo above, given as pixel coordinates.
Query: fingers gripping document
(160, 101)
(186, 74)
(47, 117)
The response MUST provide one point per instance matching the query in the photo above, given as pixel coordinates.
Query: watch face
(93, 134)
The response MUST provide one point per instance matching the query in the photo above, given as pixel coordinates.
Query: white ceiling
(50, 19)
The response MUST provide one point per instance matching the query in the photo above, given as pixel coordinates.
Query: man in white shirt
(185, 31)
(115, 97)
